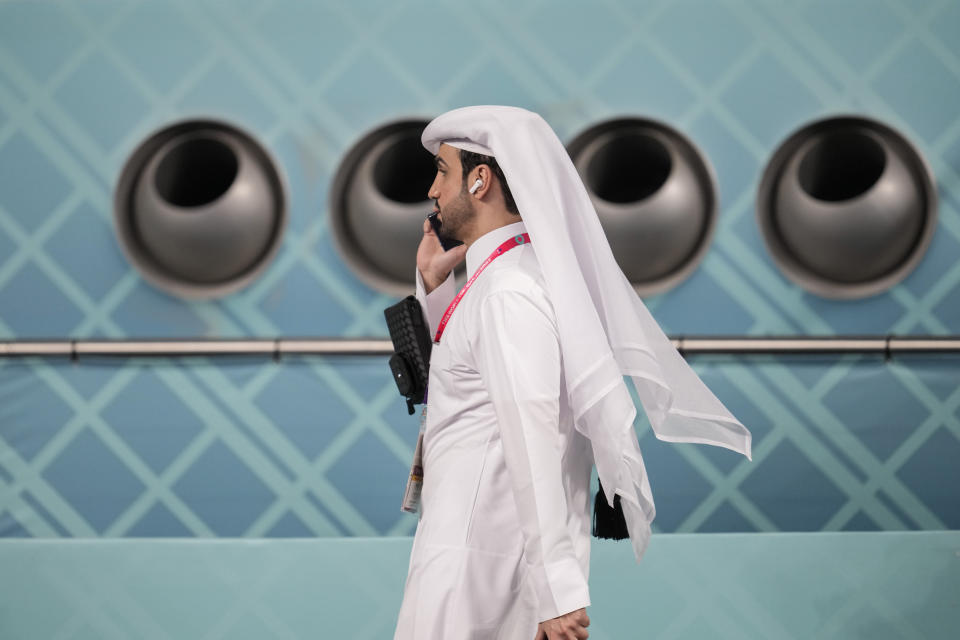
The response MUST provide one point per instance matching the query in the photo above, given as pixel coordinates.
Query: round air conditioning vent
(847, 207)
(655, 195)
(200, 209)
(378, 203)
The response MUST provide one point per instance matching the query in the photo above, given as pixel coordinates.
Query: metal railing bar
(279, 347)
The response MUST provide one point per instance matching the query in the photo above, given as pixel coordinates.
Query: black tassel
(608, 523)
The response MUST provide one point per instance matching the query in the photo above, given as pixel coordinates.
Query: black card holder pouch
(410, 335)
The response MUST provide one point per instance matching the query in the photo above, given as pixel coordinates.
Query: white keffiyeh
(606, 332)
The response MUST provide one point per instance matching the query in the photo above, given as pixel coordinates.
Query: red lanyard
(515, 241)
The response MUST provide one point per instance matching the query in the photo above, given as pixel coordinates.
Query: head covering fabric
(468, 145)
(605, 330)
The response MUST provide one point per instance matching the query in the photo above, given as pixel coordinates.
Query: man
(526, 389)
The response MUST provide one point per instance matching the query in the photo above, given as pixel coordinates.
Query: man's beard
(457, 215)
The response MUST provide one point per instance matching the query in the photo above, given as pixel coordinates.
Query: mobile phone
(447, 244)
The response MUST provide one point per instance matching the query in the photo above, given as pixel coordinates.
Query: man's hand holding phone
(434, 263)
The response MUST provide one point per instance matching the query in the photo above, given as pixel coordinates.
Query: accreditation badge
(411, 495)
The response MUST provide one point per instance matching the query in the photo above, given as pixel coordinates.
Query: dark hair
(470, 160)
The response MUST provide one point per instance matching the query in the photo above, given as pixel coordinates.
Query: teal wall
(723, 587)
(319, 447)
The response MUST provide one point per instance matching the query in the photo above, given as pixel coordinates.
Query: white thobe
(503, 540)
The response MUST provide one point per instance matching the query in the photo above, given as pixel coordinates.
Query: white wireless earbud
(476, 185)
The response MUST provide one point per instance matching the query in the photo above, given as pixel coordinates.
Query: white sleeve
(518, 356)
(435, 303)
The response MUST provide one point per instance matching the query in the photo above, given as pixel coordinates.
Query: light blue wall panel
(867, 586)
(322, 447)
(319, 447)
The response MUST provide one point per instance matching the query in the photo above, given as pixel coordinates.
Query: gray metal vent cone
(655, 195)
(200, 209)
(378, 203)
(847, 207)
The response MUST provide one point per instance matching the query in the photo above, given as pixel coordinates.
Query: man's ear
(483, 173)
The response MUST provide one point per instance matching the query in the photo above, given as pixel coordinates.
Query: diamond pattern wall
(319, 446)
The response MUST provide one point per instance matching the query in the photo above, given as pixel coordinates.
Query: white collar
(483, 246)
